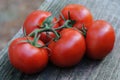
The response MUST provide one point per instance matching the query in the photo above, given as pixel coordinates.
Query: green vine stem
(47, 27)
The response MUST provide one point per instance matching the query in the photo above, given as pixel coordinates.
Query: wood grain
(107, 69)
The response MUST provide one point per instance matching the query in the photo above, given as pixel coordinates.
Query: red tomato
(78, 13)
(27, 58)
(35, 20)
(100, 39)
(69, 49)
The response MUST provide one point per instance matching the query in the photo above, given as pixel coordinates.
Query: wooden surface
(107, 69)
(12, 15)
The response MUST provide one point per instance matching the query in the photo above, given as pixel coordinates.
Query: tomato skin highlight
(78, 13)
(69, 49)
(100, 39)
(35, 20)
(27, 58)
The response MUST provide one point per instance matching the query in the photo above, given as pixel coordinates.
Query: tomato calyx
(83, 30)
(48, 21)
(32, 42)
(68, 22)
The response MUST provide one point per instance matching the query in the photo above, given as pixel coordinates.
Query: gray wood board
(107, 69)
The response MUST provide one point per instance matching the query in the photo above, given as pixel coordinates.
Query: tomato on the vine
(26, 57)
(35, 21)
(69, 49)
(79, 13)
(100, 39)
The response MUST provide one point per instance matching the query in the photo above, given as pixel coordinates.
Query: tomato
(79, 13)
(27, 58)
(69, 49)
(100, 39)
(35, 21)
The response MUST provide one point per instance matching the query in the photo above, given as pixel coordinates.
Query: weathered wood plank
(107, 69)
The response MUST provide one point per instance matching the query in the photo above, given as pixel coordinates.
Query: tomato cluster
(64, 42)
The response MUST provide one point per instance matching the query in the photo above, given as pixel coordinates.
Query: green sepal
(48, 21)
